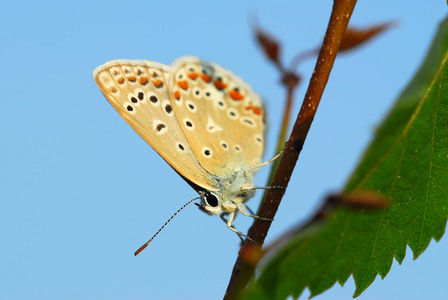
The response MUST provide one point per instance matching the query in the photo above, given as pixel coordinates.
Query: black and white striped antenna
(150, 240)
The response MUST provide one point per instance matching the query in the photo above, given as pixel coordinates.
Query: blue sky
(81, 191)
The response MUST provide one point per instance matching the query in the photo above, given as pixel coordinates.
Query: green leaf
(407, 162)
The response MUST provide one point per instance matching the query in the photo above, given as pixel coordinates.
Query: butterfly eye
(211, 200)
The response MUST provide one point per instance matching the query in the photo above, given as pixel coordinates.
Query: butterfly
(204, 121)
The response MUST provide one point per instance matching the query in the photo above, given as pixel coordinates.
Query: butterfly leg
(242, 210)
(250, 210)
(231, 227)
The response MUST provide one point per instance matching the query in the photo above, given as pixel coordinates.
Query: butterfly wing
(139, 92)
(221, 115)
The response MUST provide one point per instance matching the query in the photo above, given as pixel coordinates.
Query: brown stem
(340, 16)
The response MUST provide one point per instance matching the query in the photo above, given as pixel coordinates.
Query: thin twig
(290, 81)
(296, 61)
(340, 16)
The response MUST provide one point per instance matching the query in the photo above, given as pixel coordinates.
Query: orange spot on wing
(183, 84)
(158, 82)
(120, 80)
(143, 80)
(193, 75)
(236, 95)
(206, 78)
(132, 78)
(220, 85)
(176, 94)
(255, 109)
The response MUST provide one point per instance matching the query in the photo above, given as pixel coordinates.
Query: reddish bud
(269, 45)
(356, 36)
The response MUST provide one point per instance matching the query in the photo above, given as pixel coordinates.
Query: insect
(204, 121)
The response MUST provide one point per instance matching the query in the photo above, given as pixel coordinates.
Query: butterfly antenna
(150, 240)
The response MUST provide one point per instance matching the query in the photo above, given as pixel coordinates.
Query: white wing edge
(132, 62)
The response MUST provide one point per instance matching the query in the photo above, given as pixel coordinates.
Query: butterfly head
(229, 197)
